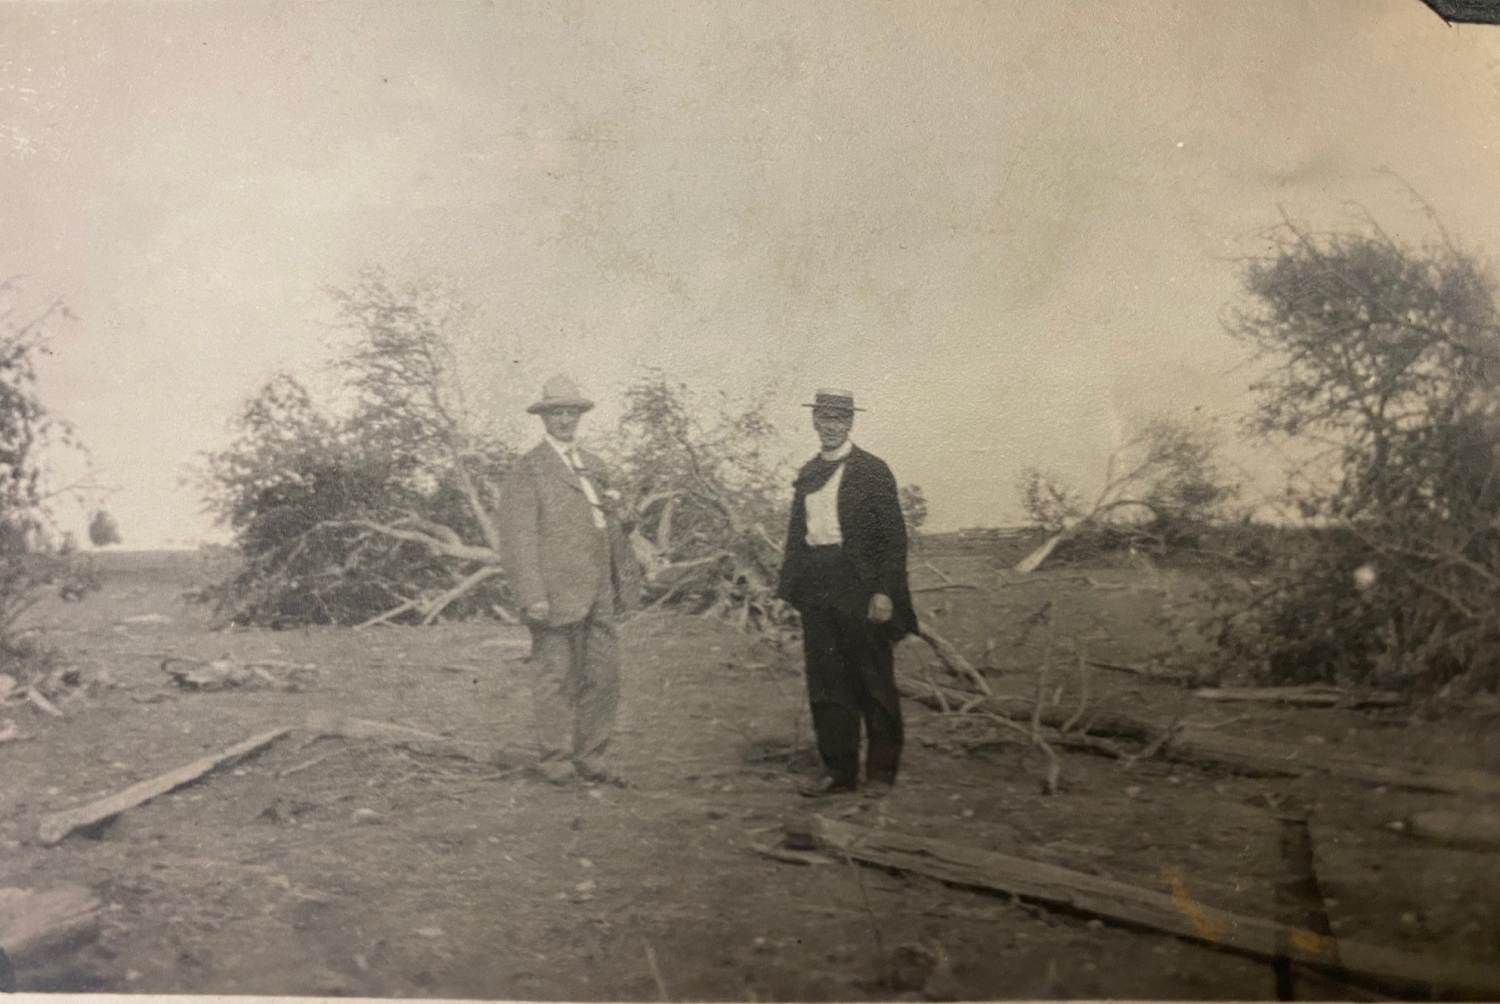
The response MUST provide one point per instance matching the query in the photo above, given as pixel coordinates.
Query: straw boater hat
(560, 392)
(833, 399)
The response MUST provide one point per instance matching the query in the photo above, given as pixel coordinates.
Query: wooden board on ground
(35, 924)
(1177, 913)
(1476, 829)
(58, 825)
(1303, 697)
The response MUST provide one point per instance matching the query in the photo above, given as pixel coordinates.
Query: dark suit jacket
(548, 541)
(874, 537)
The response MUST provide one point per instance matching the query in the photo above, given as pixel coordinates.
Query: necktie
(588, 486)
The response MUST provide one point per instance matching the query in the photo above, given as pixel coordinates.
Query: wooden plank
(1302, 697)
(1476, 829)
(35, 924)
(1176, 913)
(56, 827)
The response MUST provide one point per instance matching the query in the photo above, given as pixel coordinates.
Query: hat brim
(560, 402)
(833, 407)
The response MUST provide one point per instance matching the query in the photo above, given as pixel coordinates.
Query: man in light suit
(563, 550)
(844, 570)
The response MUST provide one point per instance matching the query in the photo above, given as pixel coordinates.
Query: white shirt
(823, 505)
(569, 454)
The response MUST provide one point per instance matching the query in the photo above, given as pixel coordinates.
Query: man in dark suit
(844, 571)
(561, 542)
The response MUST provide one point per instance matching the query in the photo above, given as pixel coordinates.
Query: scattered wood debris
(226, 674)
(36, 925)
(55, 827)
(1177, 913)
(1201, 744)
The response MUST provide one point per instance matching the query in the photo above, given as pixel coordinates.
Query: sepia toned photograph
(750, 501)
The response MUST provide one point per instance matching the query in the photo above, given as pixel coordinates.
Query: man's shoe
(878, 789)
(825, 786)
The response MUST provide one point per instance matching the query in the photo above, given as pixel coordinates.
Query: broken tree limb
(1313, 696)
(58, 825)
(36, 925)
(1204, 746)
(953, 659)
(1149, 672)
(1177, 913)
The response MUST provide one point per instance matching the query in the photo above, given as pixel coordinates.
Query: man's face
(832, 426)
(562, 423)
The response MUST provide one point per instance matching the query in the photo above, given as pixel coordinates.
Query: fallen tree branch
(1177, 913)
(1149, 672)
(440, 603)
(415, 740)
(437, 545)
(58, 825)
(1083, 696)
(953, 659)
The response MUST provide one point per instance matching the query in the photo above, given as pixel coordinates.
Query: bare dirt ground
(467, 882)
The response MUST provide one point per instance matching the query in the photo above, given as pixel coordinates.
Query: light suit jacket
(550, 546)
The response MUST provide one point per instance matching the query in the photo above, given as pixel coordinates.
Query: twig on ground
(935, 570)
(945, 586)
(661, 984)
(1156, 745)
(1083, 694)
(937, 692)
(40, 702)
(309, 764)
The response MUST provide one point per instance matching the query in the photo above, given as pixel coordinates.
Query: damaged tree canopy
(386, 511)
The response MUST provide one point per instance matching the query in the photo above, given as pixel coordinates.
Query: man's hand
(538, 612)
(880, 608)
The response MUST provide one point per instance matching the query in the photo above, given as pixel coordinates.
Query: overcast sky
(1010, 227)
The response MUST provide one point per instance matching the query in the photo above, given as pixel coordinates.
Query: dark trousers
(851, 678)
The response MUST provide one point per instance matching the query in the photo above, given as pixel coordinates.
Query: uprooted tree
(1160, 489)
(377, 510)
(1381, 362)
(35, 554)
